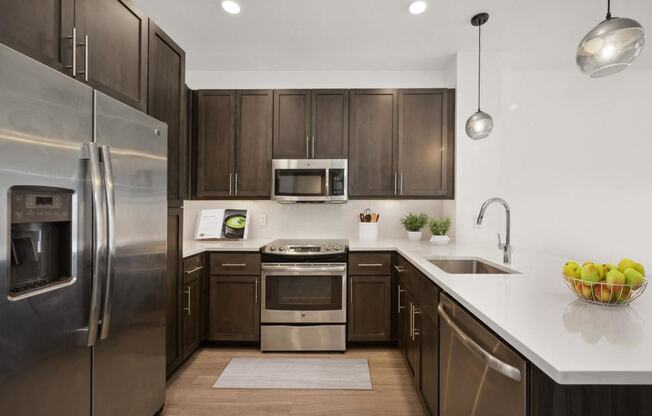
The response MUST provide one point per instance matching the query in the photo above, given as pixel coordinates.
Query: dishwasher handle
(493, 362)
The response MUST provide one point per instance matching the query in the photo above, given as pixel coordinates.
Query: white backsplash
(316, 220)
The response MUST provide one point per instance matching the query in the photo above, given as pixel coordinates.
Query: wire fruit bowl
(603, 293)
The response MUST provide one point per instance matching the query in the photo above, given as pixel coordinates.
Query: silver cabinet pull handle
(415, 312)
(400, 183)
(236, 183)
(350, 291)
(411, 321)
(100, 231)
(187, 292)
(370, 265)
(85, 45)
(313, 147)
(395, 183)
(230, 183)
(493, 362)
(234, 265)
(399, 299)
(194, 270)
(307, 147)
(109, 190)
(73, 38)
(399, 269)
(256, 291)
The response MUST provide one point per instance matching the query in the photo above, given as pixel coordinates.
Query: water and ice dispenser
(41, 239)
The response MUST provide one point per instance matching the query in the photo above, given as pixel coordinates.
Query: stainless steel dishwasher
(479, 375)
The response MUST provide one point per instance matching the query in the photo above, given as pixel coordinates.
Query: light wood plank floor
(189, 391)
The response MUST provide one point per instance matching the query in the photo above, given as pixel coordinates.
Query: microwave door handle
(328, 180)
(99, 243)
(109, 188)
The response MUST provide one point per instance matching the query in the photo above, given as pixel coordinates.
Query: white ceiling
(307, 35)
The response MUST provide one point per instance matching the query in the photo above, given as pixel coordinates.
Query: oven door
(303, 293)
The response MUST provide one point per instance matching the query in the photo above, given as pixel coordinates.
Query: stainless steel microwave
(309, 180)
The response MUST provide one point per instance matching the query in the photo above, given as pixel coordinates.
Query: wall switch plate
(262, 220)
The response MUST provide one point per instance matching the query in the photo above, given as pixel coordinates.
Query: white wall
(316, 220)
(572, 155)
(315, 79)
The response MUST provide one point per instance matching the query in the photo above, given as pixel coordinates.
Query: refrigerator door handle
(109, 189)
(99, 245)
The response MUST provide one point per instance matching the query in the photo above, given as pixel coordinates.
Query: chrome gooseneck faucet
(505, 247)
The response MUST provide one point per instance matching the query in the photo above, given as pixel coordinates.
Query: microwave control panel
(336, 182)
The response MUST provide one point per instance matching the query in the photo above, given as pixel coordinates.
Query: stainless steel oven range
(303, 305)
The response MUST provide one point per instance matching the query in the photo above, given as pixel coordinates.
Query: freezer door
(45, 118)
(129, 357)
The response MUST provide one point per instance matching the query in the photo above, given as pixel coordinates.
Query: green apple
(572, 269)
(601, 271)
(615, 277)
(602, 293)
(586, 262)
(625, 264)
(590, 273)
(609, 267)
(639, 268)
(633, 277)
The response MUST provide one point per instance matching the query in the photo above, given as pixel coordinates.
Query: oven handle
(304, 269)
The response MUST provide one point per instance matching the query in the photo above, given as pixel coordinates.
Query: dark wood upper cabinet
(167, 102)
(253, 143)
(215, 143)
(330, 124)
(234, 308)
(292, 124)
(39, 29)
(173, 285)
(372, 143)
(117, 48)
(369, 315)
(423, 143)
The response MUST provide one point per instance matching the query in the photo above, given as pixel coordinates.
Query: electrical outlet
(262, 220)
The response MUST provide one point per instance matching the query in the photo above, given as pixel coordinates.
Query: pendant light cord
(608, 9)
(479, 61)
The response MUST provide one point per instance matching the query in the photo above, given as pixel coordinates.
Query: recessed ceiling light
(231, 7)
(418, 6)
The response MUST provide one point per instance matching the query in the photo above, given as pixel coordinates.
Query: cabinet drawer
(235, 264)
(193, 268)
(422, 289)
(370, 264)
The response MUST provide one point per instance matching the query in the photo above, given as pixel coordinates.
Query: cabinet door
(234, 308)
(429, 369)
(372, 143)
(38, 28)
(117, 48)
(412, 349)
(423, 143)
(192, 312)
(403, 312)
(173, 279)
(215, 143)
(330, 124)
(369, 308)
(167, 102)
(292, 124)
(253, 144)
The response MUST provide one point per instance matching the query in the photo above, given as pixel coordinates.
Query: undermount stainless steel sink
(469, 266)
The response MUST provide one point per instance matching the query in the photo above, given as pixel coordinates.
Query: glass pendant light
(480, 124)
(611, 46)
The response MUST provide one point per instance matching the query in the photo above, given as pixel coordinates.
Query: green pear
(625, 264)
(586, 262)
(609, 267)
(572, 269)
(601, 271)
(615, 277)
(590, 273)
(633, 277)
(639, 268)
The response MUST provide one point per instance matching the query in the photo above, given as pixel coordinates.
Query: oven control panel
(306, 247)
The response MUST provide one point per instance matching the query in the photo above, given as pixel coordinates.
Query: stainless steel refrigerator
(82, 248)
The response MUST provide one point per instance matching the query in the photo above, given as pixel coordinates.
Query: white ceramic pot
(440, 240)
(414, 235)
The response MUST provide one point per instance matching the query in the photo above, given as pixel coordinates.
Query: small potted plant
(413, 223)
(439, 227)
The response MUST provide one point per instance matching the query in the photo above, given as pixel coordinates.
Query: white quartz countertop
(572, 341)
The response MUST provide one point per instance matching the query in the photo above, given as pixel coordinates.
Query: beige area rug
(301, 373)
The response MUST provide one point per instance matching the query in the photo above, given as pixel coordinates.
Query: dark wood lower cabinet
(369, 317)
(193, 310)
(429, 366)
(234, 308)
(173, 282)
